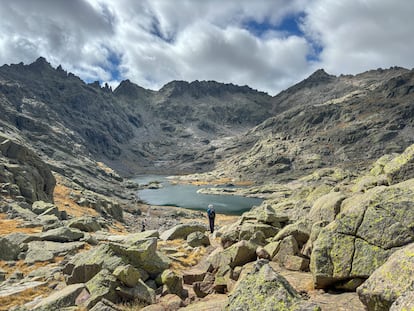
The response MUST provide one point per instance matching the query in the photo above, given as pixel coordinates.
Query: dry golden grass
(23, 267)
(117, 228)
(190, 257)
(23, 297)
(63, 201)
(13, 225)
(105, 168)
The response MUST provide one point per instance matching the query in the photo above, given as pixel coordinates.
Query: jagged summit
(130, 89)
(203, 88)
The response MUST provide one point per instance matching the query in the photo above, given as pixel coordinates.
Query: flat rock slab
(18, 288)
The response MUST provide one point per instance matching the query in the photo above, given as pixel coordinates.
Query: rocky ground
(329, 240)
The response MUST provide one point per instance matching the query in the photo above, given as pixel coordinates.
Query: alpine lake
(167, 193)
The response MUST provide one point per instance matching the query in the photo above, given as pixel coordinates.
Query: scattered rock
(267, 289)
(182, 231)
(173, 283)
(198, 238)
(86, 224)
(60, 299)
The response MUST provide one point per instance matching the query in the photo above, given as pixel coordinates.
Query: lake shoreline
(166, 191)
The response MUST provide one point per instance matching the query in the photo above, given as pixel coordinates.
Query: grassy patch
(23, 297)
(189, 258)
(64, 202)
(8, 226)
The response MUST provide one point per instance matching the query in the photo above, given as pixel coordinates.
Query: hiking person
(211, 213)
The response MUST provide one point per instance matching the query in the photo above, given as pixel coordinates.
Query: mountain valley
(332, 157)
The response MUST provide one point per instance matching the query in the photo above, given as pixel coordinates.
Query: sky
(266, 44)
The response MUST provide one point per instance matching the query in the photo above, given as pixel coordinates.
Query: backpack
(211, 213)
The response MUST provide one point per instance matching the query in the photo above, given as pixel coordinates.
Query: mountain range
(192, 127)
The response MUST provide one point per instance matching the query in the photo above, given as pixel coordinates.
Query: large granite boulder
(8, 249)
(25, 169)
(245, 230)
(102, 286)
(182, 231)
(141, 255)
(266, 290)
(85, 223)
(389, 281)
(173, 282)
(128, 275)
(45, 250)
(326, 207)
(370, 227)
(196, 239)
(62, 234)
(60, 299)
(401, 167)
(84, 266)
(140, 292)
(236, 255)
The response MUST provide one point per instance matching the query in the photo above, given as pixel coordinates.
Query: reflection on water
(186, 196)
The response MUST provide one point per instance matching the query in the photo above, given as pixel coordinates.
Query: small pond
(186, 196)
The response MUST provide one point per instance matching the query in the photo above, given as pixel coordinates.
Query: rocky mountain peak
(129, 89)
(40, 64)
(199, 89)
(320, 75)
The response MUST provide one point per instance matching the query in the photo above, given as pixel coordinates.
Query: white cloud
(152, 42)
(362, 35)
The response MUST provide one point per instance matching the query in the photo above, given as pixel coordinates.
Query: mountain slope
(342, 121)
(132, 129)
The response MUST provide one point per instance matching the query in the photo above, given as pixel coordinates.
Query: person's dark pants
(211, 221)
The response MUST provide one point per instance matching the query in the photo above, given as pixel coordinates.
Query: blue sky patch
(115, 61)
(289, 26)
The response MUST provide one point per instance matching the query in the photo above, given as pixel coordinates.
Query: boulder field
(337, 230)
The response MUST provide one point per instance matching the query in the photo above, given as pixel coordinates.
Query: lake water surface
(186, 196)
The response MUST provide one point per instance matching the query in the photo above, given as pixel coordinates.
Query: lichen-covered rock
(299, 230)
(404, 303)
(85, 223)
(198, 239)
(40, 207)
(266, 290)
(236, 255)
(61, 234)
(182, 231)
(60, 299)
(401, 167)
(45, 250)
(288, 247)
(370, 227)
(84, 266)
(102, 285)
(245, 230)
(264, 214)
(389, 281)
(173, 282)
(128, 275)
(8, 249)
(326, 207)
(140, 292)
(272, 248)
